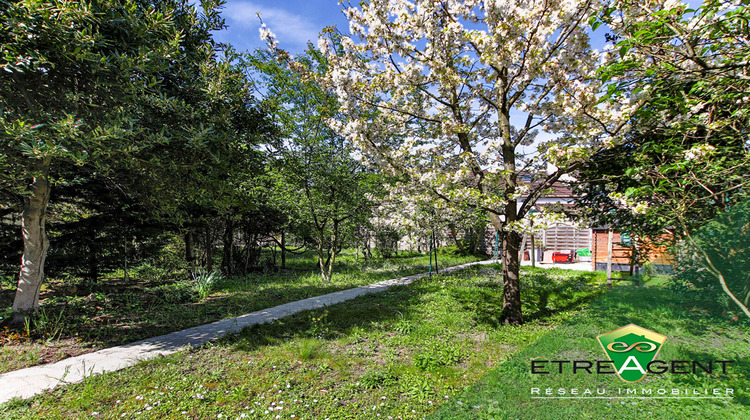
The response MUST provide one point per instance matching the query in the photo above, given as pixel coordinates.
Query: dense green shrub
(726, 242)
(386, 241)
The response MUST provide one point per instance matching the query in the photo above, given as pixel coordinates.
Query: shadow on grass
(338, 320)
(162, 319)
(543, 293)
(482, 300)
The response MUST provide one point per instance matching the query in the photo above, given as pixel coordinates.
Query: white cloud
(289, 28)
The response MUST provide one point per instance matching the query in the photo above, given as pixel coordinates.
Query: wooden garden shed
(621, 254)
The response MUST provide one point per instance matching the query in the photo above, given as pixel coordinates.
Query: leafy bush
(179, 292)
(418, 386)
(726, 242)
(8, 282)
(386, 241)
(409, 254)
(5, 313)
(403, 326)
(459, 252)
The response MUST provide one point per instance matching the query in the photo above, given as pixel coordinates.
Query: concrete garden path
(25, 383)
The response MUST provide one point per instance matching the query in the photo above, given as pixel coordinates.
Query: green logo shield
(631, 348)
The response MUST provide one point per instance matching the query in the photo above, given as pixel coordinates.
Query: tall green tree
(687, 146)
(205, 177)
(88, 83)
(316, 178)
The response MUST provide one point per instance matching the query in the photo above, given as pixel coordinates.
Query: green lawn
(401, 353)
(77, 318)
(506, 392)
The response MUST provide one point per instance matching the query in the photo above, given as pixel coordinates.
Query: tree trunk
(511, 240)
(366, 253)
(334, 249)
(454, 236)
(189, 252)
(511, 281)
(35, 245)
(125, 257)
(226, 260)
(331, 261)
(321, 258)
(93, 257)
(283, 250)
(209, 249)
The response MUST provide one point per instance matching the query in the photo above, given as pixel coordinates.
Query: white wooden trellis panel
(564, 237)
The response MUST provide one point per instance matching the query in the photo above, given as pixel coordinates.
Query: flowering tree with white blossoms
(447, 93)
(416, 214)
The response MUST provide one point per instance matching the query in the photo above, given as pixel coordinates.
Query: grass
(399, 354)
(78, 320)
(506, 392)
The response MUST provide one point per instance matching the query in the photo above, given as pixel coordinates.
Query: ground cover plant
(691, 335)
(396, 354)
(115, 311)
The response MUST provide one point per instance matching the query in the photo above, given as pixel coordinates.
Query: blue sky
(297, 21)
(293, 21)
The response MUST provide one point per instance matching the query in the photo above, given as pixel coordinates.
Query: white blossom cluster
(623, 201)
(698, 152)
(268, 36)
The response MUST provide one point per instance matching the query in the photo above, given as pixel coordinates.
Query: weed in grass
(320, 326)
(204, 282)
(403, 326)
(417, 385)
(46, 325)
(377, 379)
(438, 355)
(309, 348)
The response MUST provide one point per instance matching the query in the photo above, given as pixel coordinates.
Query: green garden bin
(584, 254)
